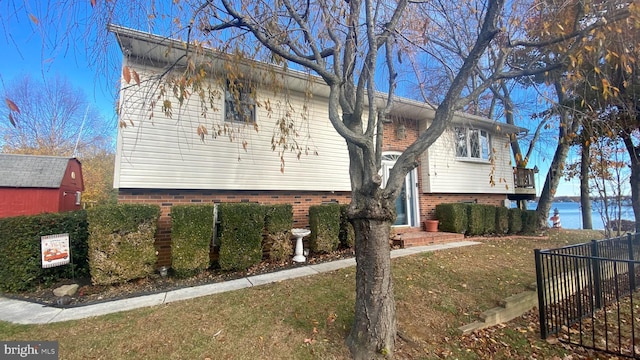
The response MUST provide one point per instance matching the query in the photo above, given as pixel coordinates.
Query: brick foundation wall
(300, 200)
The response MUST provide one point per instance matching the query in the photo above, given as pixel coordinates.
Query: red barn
(31, 184)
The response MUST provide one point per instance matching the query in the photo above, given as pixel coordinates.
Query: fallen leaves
(331, 318)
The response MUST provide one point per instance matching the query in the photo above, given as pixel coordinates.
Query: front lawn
(308, 318)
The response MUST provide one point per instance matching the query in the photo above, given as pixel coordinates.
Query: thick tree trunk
(568, 126)
(373, 332)
(635, 192)
(585, 200)
(634, 154)
(551, 183)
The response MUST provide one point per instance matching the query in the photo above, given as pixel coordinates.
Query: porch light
(401, 132)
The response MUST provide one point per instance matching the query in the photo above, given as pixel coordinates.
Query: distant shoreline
(576, 199)
(571, 213)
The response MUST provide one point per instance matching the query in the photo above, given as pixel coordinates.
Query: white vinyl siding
(167, 153)
(445, 171)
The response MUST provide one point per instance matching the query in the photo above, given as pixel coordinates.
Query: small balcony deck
(525, 184)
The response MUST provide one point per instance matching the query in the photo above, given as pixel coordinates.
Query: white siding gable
(167, 153)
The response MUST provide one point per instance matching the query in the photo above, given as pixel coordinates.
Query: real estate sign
(55, 250)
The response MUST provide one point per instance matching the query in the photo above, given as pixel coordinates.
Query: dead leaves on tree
(128, 73)
(13, 108)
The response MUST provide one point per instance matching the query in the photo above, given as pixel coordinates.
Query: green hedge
(324, 221)
(191, 234)
(476, 219)
(489, 218)
(347, 234)
(20, 249)
(241, 226)
(515, 221)
(502, 220)
(529, 225)
(121, 242)
(452, 217)
(278, 223)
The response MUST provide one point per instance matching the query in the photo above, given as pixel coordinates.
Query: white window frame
(244, 100)
(467, 149)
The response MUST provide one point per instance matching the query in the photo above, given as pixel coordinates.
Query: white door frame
(412, 201)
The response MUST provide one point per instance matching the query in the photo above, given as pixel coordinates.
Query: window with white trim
(239, 103)
(472, 144)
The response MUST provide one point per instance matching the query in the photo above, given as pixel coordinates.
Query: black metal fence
(586, 294)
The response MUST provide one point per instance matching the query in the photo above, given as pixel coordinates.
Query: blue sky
(25, 53)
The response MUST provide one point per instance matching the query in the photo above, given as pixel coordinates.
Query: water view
(571, 214)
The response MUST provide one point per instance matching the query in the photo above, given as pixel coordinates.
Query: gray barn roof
(32, 171)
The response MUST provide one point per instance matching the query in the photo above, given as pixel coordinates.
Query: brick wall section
(390, 139)
(300, 200)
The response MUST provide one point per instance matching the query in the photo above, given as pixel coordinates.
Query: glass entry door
(401, 207)
(407, 208)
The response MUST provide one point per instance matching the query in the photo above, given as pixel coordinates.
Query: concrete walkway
(24, 312)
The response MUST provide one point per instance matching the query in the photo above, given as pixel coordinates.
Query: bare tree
(352, 45)
(51, 117)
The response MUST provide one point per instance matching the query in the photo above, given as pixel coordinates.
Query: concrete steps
(509, 309)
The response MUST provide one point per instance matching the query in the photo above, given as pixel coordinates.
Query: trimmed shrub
(121, 242)
(241, 226)
(476, 219)
(278, 222)
(489, 218)
(20, 249)
(347, 234)
(515, 221)
(324, 221)
(452, 217)
(529, 225)
(191, 234)
(502, 220)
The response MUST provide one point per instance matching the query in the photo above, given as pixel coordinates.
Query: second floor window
(239, 103)
(472, 143)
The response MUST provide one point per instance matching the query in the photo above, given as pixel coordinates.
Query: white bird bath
(299, 234)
